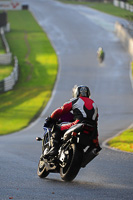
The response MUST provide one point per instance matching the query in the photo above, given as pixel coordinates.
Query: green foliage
(130, 2)
(38, 69)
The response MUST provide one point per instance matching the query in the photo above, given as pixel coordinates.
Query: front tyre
(72, 167)
(41, 171)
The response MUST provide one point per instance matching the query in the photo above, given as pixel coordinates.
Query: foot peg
(38, 139)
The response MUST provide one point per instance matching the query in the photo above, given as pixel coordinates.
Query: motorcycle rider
(100, 53)
(83, 109)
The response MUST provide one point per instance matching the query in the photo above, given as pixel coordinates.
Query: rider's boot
(95, 146)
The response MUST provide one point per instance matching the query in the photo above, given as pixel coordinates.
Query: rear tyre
(71, 169)
(41, 171)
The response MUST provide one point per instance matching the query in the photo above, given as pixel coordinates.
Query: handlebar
(46, 130)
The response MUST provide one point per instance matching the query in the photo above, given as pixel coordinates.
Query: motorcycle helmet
(82, 90)
(100, 49)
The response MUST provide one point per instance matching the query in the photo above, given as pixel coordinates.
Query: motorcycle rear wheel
(71, 169)
(41, 171)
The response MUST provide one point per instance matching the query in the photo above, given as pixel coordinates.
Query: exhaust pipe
(89, 156)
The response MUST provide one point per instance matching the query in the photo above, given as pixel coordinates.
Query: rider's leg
(55, 140)
(95, 141)
(56, 137)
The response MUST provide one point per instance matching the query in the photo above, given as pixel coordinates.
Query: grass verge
(2, 50)
(5, 70)
(123, 142)
(38, 69)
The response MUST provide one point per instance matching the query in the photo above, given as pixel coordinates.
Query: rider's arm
(61, 111)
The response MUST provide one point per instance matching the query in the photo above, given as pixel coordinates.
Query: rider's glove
(49, 122)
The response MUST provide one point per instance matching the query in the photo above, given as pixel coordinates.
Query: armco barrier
(123, 5)
(125, 38)
(127, 42)
(9, 82)
(4, 40)
(6, 58)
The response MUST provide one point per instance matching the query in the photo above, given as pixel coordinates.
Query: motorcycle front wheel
(73, 165)
(41, 171)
